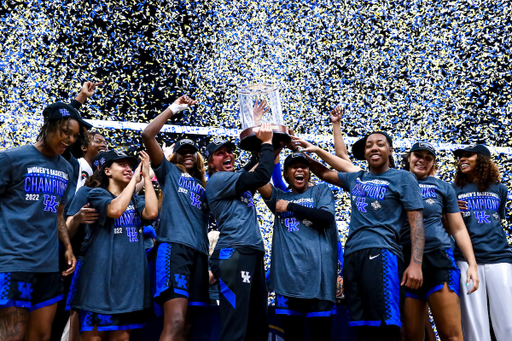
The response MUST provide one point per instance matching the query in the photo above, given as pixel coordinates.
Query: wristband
(176, 108)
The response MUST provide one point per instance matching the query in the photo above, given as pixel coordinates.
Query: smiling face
(297, 176)
(64, 136)
(377, 151)
(467, 162)
(187, 156)
(97, 144)
(222, 160)
(421, 163)
(120, 171)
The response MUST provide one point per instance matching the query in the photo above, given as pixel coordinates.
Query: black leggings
(293, 326)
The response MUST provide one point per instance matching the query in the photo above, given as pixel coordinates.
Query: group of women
(412, 238)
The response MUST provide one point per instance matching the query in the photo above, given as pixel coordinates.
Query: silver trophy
(251, 119)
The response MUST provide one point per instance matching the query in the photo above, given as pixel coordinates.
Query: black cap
(212, 147)
(475, 148)
(358, 148)
(184, 142)
(424, 146)
(59, 110)
(295, 157)
(105, 159)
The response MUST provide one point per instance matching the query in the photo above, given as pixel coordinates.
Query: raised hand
(182, 103)
(260, 108)
(336, 114)
(265, 133)
(137, 175)
(146, 168)
(88, 88)
(305, 145)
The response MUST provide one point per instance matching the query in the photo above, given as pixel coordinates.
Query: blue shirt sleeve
(410, 193)
(140, 204)
(345, 179)
(277, 177)
(100, 199)
(325, 199)
(503, 201)
(450, 200)
(222, 185)
(271, 203)
(5, 171)
(79, 201)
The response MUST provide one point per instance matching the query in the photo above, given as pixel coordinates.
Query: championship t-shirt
(114, 277)
(81, 239)
(235, 212)
(379, 205)
(438, 199)
(304, 260)
(184, 215)
(483, 221)
(32, 186)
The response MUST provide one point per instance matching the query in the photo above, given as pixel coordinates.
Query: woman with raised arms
(382, 199)
(182, 243)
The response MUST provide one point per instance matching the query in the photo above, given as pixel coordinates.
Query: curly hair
(51, 127)
(486, 174)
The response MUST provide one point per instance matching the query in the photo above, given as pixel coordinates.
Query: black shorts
(109, 322)
(438, 268)
(293, 306)
(372, 287)
(181, 272)
(30, 290)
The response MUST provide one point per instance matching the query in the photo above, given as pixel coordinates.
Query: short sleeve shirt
(304, 260)
(235, 212)
(379, 205)
(114, 278)
(184, 215)
(438, 199)
(483, 221)
(32, 186)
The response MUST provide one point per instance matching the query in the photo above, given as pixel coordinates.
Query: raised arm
(323, 173)
(263, 171)
(150, 211)
(88, 89)
(149, 134)
(413, 276)
(117, 206)
(335, 162)
(458, 230)
(339, 144)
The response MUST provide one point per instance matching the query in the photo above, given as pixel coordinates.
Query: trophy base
(249, 141)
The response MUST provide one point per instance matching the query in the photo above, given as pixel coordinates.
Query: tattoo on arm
(417, 236)
(13, 321)
(63, 231)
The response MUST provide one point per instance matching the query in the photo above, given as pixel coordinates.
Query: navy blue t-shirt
(438, 199)
(379, 204)
(114, 277)
(184, 215)
(483, 221)
(235, 212)
(32, 186)
(304, 260)
(81, 239)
